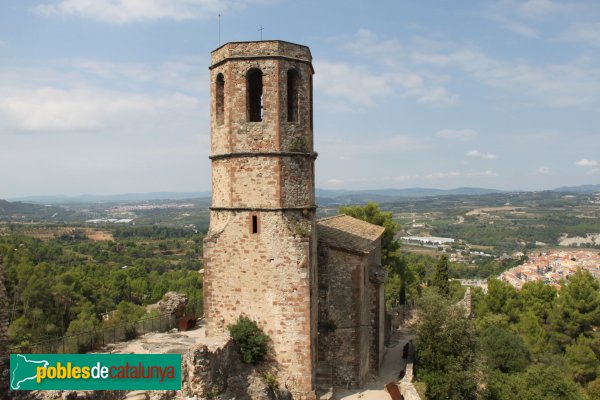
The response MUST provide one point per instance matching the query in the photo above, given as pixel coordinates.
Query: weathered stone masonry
(350, 299)
(259, 251)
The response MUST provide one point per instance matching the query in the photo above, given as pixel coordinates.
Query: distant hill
(90, 198)
(25, 211)
(325, 196)
(579, 189)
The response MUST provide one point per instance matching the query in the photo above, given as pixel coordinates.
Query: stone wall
(407, 389)
(249, 169)
(216, 370)
(266, 280)
(377, 277)
(344, 315)
(338, 316)
(263, 180)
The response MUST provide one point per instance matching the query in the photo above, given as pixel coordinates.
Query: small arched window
(293, 97)
(254, 101)
(220, 99)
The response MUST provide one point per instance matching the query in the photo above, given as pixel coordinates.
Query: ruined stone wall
(216, 370)
(341, 288)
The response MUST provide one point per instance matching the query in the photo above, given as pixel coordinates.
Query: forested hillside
(531, 344)
(62, 285)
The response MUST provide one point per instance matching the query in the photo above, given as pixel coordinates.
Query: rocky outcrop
(173, 303)
(217, 371)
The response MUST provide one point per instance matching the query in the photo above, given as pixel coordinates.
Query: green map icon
(23, 369)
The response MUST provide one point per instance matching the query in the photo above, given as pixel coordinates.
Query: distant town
(553, 267)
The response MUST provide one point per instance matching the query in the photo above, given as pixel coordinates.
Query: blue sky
(111, 96)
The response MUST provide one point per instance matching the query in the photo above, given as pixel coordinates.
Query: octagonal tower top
(260, 49)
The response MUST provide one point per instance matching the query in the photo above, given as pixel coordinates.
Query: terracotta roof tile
(348, 233)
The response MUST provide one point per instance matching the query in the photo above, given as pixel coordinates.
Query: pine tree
(442, 276)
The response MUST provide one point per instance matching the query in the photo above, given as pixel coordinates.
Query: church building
(314, 286)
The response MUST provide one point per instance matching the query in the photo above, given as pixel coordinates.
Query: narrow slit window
(220, 99)
(293, 97)
(254, 224)
(254, 89)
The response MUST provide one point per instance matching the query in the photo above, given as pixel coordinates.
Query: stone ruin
(173, 303)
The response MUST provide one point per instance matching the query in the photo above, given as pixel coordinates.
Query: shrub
(271, 381)
(250, 338)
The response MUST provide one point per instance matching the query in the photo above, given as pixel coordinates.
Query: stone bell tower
(260, 250)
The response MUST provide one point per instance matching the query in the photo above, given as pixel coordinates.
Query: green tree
(86, 321)
(534, 334)
(577, 309)
(445, 341)
(501, 298)
(539, 298)
(127, 312)
(582, 360)
(441, 278)
(593, 389)
(539, 382)
(504, 350)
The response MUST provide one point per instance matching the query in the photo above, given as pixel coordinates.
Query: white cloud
(482, 155)
(127, 127)
(355, 85)
(404, 178)
(87, 95)
(519, 28)
(358, 87)
(366, 42)
(584, 162)
(443, 175)
(566, 85)
(520, 16)
(123, 11)
(51, 109)
(422, 69)
(542, 171)
(486, 173)
(460, 134)
(381, 71)
(375, 145)
(335, 181)
(538, 8)
(584, 32)
(180, 74)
